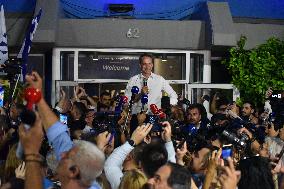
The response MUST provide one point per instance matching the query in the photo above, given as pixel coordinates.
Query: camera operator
(248, 111)
(254, 143)
(196, 117)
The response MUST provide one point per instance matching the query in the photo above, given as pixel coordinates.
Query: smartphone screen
(276, 94)
(152, 119)
(227, 151)
(63, 119)
(1, 96)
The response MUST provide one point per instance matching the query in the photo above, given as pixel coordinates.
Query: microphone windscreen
(124, 99)
(134, 90)
(154, 109)
(144, 99)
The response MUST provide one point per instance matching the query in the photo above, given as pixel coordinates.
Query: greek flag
(3, 38)
(24, 52)
(26, 46)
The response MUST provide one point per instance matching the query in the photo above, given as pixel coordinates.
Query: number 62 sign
(133, 33)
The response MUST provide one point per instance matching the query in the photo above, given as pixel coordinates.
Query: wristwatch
(131, 142)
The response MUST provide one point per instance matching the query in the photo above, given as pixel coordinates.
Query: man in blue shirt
(79, 162)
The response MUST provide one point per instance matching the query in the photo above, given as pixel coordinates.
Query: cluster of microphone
(158, 112)
(121, 101)
(159, 115)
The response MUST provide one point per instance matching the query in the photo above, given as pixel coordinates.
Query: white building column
(55, 72)
(207, 67)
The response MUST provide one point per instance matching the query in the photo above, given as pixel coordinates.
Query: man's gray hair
(90, 160)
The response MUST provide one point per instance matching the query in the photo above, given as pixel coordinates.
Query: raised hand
(62, 93)
(180, 153)
(34, 80)
(140, 133)
(167, 133)
(230, 177)
(20, 171)
(103, 140)
(31, 138)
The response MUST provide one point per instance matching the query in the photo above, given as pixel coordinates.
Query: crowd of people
(86, 142)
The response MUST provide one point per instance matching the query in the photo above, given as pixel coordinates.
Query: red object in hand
(32, 97)
(162, 115)
(124, 99)
(154, 109)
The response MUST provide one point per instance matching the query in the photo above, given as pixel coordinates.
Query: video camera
(240, 141)
(105, 121)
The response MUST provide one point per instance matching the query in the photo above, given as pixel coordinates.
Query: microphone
(145, 80)
(154, 109)
(144, 98)
(144, 101)
(122, 100)
(158, 112)
(134, 91)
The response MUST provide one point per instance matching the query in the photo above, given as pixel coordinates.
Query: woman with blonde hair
(11, 164)
(133, 179)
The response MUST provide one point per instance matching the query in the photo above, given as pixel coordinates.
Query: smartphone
(63, 118)
(152, 119)
(1, 96)
(276, 94)
(227, 151)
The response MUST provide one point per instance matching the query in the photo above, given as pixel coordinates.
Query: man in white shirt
(150, 84)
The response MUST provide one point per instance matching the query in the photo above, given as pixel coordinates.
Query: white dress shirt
(113, 165)
(87, 129)
(156, 84)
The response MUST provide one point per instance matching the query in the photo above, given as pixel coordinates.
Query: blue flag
(3, 38)
(24, 52)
